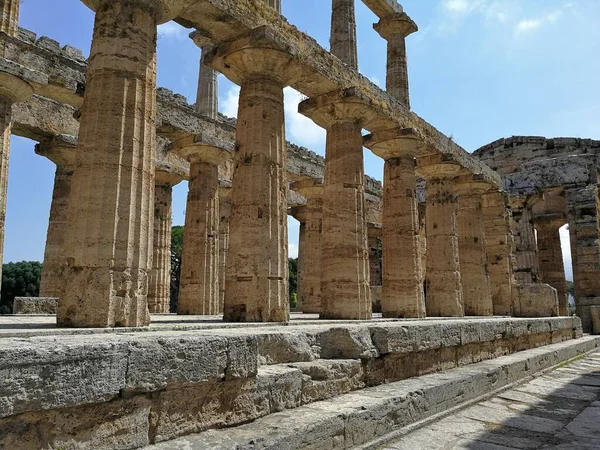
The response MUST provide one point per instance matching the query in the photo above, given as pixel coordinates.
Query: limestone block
(537, 300)
(47, 375)
(35, 305)
(158, 363)
(347, 343)
(282, 386)
(119, 425)
(280, 348)
(325, 379)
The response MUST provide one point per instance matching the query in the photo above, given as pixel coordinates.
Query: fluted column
(256, 286)
(9, 16)
(526, 253)
(309, 252)
(109, 232)
(61, 151)
(207, 97)
(394, 29)
(402, 294)
(374, 235)
(499, 245)
(343, 32)
(225, 213)
(474, 272)
(159, 278)
(199, 291)
(552, 267)
(443, 284)
(274, 4)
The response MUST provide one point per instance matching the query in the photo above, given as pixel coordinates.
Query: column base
(100, 298)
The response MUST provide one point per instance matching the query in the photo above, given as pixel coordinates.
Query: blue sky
(479, 70)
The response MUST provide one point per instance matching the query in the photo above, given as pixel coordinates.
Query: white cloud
(292, 250)
(531, 25)
(229, 105)
(565, 244)
(300, 129)
(172, 30)
(461, 6)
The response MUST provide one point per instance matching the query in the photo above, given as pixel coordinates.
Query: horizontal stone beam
(384, 8)
(41, 118)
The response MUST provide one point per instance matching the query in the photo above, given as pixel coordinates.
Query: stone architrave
(443, 289)
(552, 267)
(256, 287)
(474, 272)
(395, 29)
(199, 291)
(108, 245)
(402, 287)
(61, 151)
(159, 278)
(499, 245)
(310, 217)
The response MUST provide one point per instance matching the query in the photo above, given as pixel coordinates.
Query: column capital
(61, 150)
(255, 54)
(309, 188)
(203, 147)
(471, 185)
(396, 143)
(398, 24)
(374, 230)
(201, 39)
(168, 174)
(549, 221)
(434, 167)
(344, 105)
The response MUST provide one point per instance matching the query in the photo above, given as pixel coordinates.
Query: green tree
(571, 288)
(176, 249)
(293, 285)
(20, 279)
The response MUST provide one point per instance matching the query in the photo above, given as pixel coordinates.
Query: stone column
(343, 32)
(207, 97)
(527, 270)
(109, 232)
(274, 4)
(499, 244)
(374, 238)
(225, 213)
(256, 287)
(477, 300)
(159, 278)
(585, 250)
(199, 291)
(61, 151)
(394, 30)
(9, 17)
(443, 284)
(402, 294)
(552, 267)
(309, 252)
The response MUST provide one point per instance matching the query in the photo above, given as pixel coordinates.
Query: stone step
(360, 417)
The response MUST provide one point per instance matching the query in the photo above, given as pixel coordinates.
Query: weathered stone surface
(536, 300)
(347, 343)
(35, 305)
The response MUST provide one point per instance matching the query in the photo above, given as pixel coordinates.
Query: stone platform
(122, 389)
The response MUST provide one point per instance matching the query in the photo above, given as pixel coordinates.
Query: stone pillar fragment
(199, 291)
(159, 278)
(499, 246)
(477, 300)
(256, 287)
(343, 32)
(526, 254)
(109, 232)
(309, 250)
(394, 29)
(61, 151)
(585, 250)
(552, 267)
(402, 294)
(443, 287)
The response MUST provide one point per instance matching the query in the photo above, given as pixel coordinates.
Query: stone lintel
(203, 147)
(260, 52)
(384, 8)
(396, 143)
(398, 24)
(15, 81)
(61, 150)
(168, 174)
